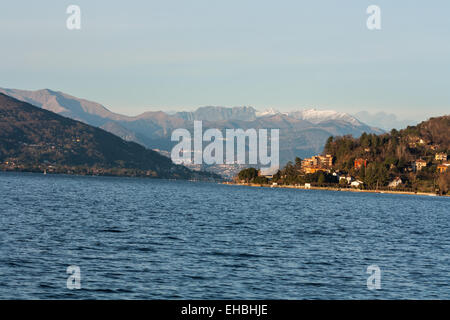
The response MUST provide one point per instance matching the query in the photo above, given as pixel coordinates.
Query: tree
(321, 178)
(298, 163)
(443, 182)
(364, 140)
(329, 145)
(248, 175)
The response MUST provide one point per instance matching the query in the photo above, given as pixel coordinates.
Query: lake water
(155, 239)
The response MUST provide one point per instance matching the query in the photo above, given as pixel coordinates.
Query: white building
(357, 183)
(349, 179)
(395, 183)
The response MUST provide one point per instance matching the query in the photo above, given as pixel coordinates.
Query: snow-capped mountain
(302, 133)
(313, 115)
(317, 116)
(268, 112)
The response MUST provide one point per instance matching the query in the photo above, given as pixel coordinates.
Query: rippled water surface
(157, 239)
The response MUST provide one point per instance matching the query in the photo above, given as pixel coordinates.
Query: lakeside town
(324, 164)
(412, 160)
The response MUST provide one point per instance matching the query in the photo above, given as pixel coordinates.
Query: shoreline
(336, 189)
(73, 174)
(236, 184)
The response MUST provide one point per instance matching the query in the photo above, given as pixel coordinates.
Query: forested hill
(33, 139)
(396, 154)
(414, 160)
(399, 148)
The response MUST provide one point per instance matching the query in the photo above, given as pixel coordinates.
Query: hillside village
(414, 159)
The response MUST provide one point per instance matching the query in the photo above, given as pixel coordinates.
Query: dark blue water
(156, 239)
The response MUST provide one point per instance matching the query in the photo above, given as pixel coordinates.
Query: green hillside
(414, 159)
(33, 139)
(395, 154)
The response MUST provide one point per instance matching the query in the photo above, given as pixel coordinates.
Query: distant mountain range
(33, 139)
(385, 121)
(302, 133)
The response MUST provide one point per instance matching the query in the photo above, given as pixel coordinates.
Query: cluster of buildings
(348, 179)
(325, 163)
(440, 158)
(419, 164)
(317, 163)
(415, 141)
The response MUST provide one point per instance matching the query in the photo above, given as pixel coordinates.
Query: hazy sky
(134, 56)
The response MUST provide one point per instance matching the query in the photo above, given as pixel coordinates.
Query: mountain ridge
(32, 138)
(206, 113)
(302, 133)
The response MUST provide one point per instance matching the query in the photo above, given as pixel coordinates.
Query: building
(395, 183)
(414, 141)
(313, 169)
(419, 164)
(440, 156)
(326, 160)
(309, 162)
(348, 179)
(360, 162)
(307, 185)
(441, 168)
(357, 183)
(317, 163)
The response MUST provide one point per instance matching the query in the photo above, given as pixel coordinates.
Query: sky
(136, 56)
